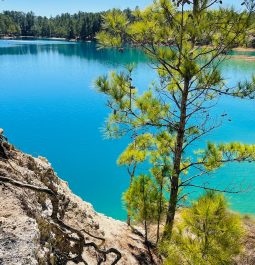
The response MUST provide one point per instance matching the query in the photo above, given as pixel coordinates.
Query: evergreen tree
(141, 201)
(179, 104)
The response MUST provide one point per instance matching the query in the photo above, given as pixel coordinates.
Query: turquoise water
(49, 108)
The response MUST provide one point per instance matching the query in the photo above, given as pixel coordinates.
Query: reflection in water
(83, 50)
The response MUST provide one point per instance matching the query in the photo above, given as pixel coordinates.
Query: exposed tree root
(96, 237)
(25, 185)
(65, 229)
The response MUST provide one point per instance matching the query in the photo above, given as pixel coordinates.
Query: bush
(141, 201)
(208, 233)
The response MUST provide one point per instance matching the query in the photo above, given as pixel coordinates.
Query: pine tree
(141, 201)
(187, 42)
(207, 233)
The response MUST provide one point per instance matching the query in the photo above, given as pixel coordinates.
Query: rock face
(247, 257)
(37, 227)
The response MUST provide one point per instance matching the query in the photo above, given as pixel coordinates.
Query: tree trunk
(146, 231)
(159, 211)
(196, 7)
(128, 215)
(128, 220)
(172, 204)
(160, 208)
(132, 174)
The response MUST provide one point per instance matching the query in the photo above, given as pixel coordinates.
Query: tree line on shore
(82, 25)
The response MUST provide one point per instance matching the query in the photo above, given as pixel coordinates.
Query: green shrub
(207, 233)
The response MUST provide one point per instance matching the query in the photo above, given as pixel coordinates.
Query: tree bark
(160, 208)
(172, 204)
(159, 212)
(132, 174)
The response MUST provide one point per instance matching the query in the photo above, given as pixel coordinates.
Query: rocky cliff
(43, 222)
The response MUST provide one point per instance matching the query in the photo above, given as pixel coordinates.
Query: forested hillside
(82, 25)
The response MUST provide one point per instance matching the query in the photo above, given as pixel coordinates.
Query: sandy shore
(241, 49)
(243, 57)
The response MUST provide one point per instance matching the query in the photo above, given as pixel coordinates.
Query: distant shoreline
(238, 49)
(242, 49)
(243, 57)
(42, 38)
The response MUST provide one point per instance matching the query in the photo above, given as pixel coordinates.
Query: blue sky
(53, 7)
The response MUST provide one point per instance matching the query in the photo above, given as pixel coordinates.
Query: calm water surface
(49, 108)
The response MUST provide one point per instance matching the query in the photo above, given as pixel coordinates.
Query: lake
(50, 108)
